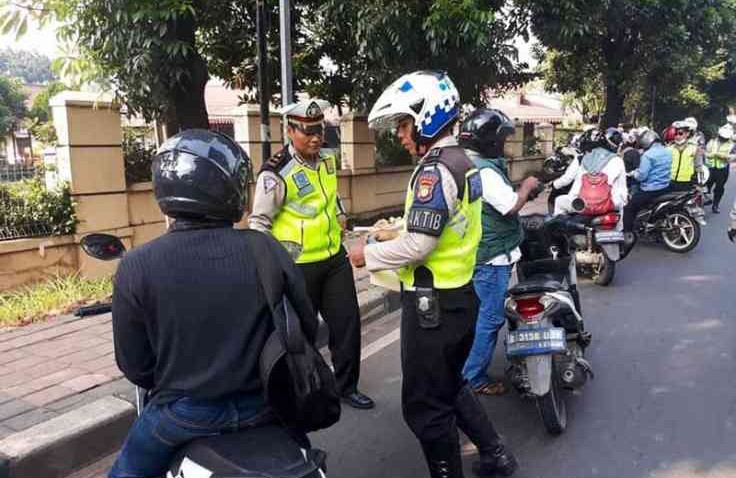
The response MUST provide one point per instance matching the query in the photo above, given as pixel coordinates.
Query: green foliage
(58, 295)
(30, 67)
(28, 208)
(136, 155)
(373, 42)
(634, 52)
(39, 120)
(12, 104)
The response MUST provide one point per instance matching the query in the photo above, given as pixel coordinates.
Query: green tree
(657, 47)
(158, 55)
(12, 104)
(39, 120)
(31, 67)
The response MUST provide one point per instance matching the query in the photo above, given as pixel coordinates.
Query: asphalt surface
(662, 405)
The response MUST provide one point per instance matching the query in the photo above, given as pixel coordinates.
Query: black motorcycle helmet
(485, 131)
(612, 139)
(647, 139)
(202, 175)
(587, 141)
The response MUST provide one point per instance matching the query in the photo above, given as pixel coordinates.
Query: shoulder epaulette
(276, 162)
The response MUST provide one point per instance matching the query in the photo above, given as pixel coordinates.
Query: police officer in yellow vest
(435, 259)
(296, 200)
(683, 158)
(720, 152)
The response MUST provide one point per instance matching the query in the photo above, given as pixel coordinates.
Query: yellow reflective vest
(452, 261)
(308, 215)
(683, 162)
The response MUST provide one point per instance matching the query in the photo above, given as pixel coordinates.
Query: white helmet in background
(726, 132)
(731, 119)
(429, 97)
(691, 123)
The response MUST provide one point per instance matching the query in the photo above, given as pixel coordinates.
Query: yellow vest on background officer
(296, 201)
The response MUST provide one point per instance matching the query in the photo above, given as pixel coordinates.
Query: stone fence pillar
(247, 126)
(89, 156)
(357, 144)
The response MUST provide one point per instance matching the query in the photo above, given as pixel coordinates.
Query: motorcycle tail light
(528, 307)
(606, 221)
(698, 200)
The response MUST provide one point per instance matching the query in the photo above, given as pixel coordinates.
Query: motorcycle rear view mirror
(103, 246)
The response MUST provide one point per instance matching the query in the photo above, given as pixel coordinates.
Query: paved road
(663, 404)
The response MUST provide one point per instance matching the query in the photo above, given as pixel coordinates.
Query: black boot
(474, 422)
(443, 457)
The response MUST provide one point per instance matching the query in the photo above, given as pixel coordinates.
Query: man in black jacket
(189, 318)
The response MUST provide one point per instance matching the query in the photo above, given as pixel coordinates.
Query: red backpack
(596, 194)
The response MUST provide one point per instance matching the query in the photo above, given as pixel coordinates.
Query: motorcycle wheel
(552, 407)
(603, 274)
(681, 233)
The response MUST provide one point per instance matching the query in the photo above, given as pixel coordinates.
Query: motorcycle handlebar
(94, 309)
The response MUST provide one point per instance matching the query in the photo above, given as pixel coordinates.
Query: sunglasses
(681, 131)
(310, 130)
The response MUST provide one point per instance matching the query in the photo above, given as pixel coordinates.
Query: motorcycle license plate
(535, 341)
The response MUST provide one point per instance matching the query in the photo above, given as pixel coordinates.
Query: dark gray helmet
(201, 174)
(647, 139)
(485, 131)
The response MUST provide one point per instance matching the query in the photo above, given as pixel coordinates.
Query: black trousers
(717, 178)
(331, 287)
(638, 201)
(432, 362)
(681, 185)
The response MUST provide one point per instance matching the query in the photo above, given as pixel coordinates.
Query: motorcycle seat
(259, 452)
(542, 282)
(669, 196)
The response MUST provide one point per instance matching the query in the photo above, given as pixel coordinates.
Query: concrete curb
(63, 444)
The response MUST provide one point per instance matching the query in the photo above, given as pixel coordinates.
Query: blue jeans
(161, 429)
(490, 283)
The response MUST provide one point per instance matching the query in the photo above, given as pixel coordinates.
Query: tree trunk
(614, 103)
(187, 105)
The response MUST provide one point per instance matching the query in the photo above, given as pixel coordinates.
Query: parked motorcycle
(674, 219)
(546, 337)
(260, 452)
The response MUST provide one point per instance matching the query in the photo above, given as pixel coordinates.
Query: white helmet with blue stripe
(429, 97)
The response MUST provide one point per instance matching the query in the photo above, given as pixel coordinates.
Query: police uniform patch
(302, 183)
(475, 187)
(426, 183)
(269, 184)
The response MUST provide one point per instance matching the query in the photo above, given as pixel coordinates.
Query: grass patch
(58, 295)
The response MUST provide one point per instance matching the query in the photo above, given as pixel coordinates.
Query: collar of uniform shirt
(295, 154)
(442, 143)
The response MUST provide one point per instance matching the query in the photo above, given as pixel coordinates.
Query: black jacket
(189, 316)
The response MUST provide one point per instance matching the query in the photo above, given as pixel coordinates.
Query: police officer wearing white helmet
(435, 259)
(720, 153)
(296, 201)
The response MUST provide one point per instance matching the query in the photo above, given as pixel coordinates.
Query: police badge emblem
(302, 183)
(313, 110)
(425, 186)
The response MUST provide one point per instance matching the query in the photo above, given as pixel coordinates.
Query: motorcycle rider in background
(602, 159)
(653, 176)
